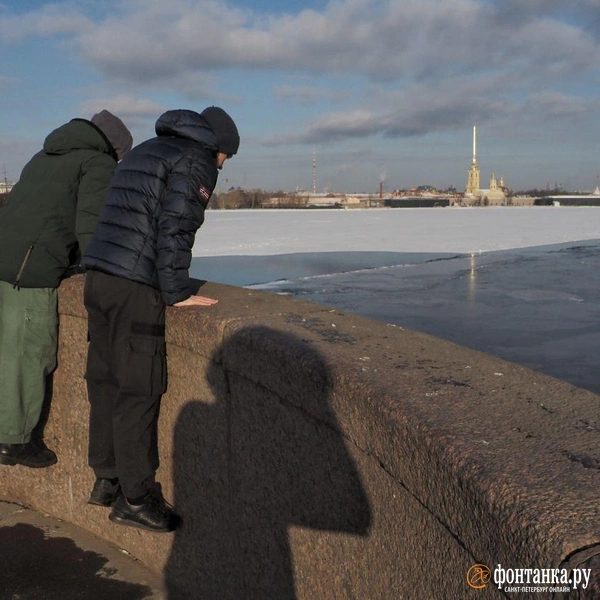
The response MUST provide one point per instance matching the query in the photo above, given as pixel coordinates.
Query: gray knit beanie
(115, 131)
(228, 138)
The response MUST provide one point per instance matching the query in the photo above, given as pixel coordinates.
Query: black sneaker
(154, 514)
(28, 455)
(104, 492)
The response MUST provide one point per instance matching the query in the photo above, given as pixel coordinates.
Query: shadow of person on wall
(264, 456)
(36, 564)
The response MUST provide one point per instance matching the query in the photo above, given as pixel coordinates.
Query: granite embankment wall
(316, 454)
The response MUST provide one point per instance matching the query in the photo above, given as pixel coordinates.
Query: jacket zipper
(16, 283)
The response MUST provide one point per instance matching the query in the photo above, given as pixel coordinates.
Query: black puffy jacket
(155, 206)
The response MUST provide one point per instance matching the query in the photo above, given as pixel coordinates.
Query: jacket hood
(115, 131)
(78, 134)
(186, 124)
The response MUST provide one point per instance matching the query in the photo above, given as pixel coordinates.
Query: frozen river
(519, 283)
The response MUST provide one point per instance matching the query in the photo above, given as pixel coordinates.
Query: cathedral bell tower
(473, 181)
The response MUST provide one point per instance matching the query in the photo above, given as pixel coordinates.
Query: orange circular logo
(479, 576)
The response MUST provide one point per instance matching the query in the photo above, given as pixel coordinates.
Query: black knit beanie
(228, 138)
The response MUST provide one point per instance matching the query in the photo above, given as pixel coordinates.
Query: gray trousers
(28, 345)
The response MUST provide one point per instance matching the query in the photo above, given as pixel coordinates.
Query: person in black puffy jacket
(137, 263)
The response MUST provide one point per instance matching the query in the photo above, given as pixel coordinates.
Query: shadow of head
(36, 565)
(264, 454)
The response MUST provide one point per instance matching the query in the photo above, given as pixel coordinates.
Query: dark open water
(538, 307)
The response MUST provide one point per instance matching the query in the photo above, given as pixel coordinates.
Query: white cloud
(124, 107)
(409, 67)
(414, 110)
(555, 104)
(139, 115)
(306, 94)
(387, 40)
(49, 20)
(495, 99)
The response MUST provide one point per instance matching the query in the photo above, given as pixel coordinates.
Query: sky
(375, 90)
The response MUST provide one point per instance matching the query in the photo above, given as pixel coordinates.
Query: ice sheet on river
(539, 307)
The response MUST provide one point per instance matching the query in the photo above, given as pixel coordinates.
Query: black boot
(28, 455)
(105, 492)
(152, 515)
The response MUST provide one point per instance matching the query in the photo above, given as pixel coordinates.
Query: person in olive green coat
(45, 226)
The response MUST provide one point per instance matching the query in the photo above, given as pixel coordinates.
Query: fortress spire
(473, 180)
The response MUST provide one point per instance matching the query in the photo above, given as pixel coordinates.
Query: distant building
(592, 199)
(5, 187)
(495, 194)
(473, 179)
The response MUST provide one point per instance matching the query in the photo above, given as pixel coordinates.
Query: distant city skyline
(379, 90)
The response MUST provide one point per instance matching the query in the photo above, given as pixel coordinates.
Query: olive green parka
(52, 211)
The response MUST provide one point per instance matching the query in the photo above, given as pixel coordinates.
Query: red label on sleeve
(204, 193)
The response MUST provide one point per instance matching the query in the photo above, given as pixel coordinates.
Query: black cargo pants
(126, 375)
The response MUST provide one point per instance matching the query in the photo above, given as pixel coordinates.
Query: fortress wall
(317, 454)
